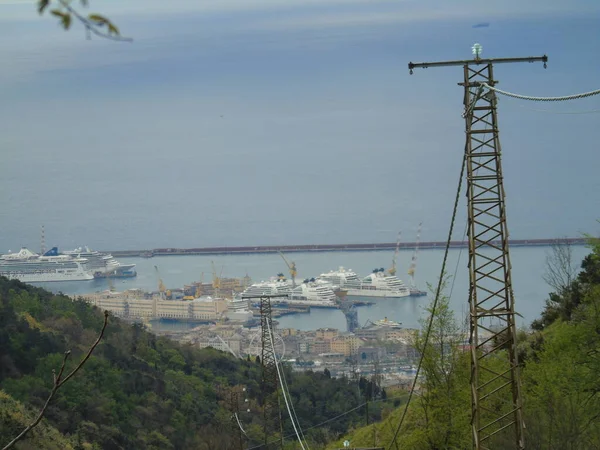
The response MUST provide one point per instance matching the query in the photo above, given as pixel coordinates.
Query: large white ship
(377, 284)
(238, 310)
(29, 267)
(309, 293)
(279, 286)
(313, 293)
(101, 264)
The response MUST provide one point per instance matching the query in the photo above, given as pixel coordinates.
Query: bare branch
(560, 269)
(58, 382)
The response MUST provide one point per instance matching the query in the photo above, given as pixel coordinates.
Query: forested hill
(137, 391)
(560, 376)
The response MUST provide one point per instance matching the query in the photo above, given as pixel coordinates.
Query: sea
(528, 268)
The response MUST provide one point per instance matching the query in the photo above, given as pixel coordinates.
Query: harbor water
(528, 264)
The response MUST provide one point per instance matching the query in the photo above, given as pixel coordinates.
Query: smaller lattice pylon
(272, 423)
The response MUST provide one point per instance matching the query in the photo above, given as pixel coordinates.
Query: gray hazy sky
(235, 122)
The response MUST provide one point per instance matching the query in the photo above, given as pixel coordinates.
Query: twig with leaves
(93, 23)
(58, 382)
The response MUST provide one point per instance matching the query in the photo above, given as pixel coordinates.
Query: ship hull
(48, 277)
(380, 293)
(311, 303)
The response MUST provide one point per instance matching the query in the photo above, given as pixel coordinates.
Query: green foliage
(561, 375)
(14, 417)
(65, 12)
(560, 383)
(439, 414)
(140, 391)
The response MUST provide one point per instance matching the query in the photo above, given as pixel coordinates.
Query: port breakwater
(311, 248)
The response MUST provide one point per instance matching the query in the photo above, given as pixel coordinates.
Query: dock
(387, 246)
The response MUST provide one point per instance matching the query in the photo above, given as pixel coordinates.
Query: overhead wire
(345, 413)
(439, 286)
(333, 419)
(239, 424)
(292, 404)
(542, 99)
(549, 111)
(283, 390)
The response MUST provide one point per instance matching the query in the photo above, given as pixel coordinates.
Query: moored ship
(102, 265)
(377, 284)
(309, 293)
(30, 267)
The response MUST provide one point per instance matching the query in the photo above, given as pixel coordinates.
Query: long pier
(328, 248)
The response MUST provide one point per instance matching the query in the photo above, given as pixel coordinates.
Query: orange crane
(162, 289)
(392, 270)
(198, 292)
(292, 268)
(216, 280)
(413, 266)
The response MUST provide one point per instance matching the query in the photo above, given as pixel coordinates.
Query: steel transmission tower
(497, 418)
(272, 424)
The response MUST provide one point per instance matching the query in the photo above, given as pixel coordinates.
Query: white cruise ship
(279, 286)
(378, 284)
(309, 293)
(29, 267)
(238, 310)
(101, 264)
(313, 293)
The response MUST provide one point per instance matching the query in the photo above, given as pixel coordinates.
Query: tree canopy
(140, 391)
(560, 358)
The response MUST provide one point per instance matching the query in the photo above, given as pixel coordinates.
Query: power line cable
(339, 416)
(283, 389)
(549, 111)
(292, 404)
(435, 302)
(542, 99)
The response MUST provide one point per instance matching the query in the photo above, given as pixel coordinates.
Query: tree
(445, 383)
(561, 270)
(95, 24)
(59, 381)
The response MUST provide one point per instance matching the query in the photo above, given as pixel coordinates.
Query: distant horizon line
(308, 248)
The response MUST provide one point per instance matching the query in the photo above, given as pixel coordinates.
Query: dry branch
(561, 270)
(58, 382)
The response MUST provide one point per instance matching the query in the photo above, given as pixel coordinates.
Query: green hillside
(560, 383)
(139, 391)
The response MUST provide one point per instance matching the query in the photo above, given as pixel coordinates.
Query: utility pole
(234, 406)
(497, 416)
(272, 423)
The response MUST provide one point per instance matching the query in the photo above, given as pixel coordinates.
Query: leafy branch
(93, 23)
(58, 382)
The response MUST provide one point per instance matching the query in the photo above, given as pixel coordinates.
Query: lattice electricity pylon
(497, 417)
(272, 424)
(237, 395)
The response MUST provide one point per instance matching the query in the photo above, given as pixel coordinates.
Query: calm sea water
(528, 269)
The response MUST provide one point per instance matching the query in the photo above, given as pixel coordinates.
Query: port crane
(292, 268)
(111, 286)
(392, 270)
(413, 265)
(216, 280)
(162, 289)
(198, 291)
